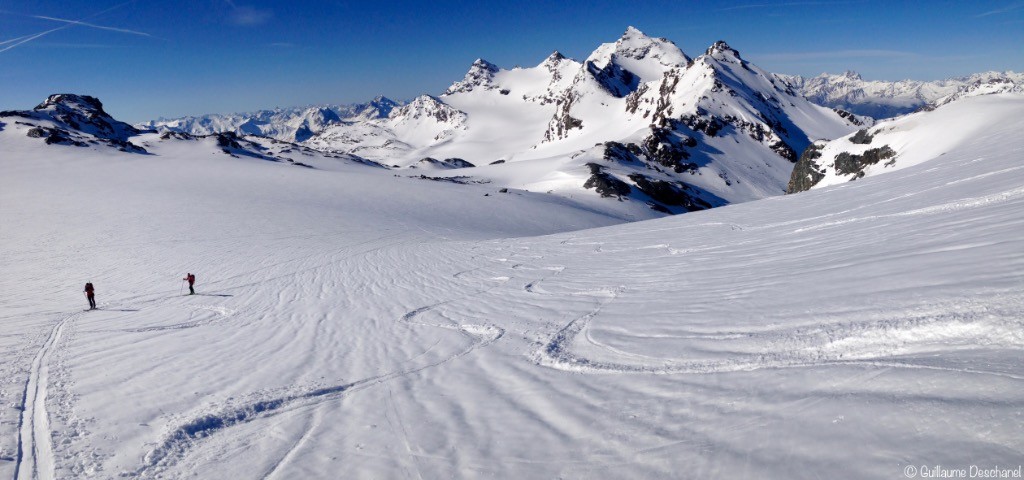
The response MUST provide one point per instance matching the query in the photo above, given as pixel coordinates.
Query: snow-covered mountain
(287, 124)
(893, 145)
(637, 121)
(881, 99)
(79, 120)
(69, 120)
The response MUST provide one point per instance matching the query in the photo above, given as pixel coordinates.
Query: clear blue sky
(145, 59)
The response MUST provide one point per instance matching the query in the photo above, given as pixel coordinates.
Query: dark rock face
(446, 163)
(847, 163)
(784, 150)
(852, 118)
(621, 153)
(861, 137)
(497, 162)
(614, 79)
(562, 122)
(669, 150)
(709, 125)
(55, 136)
(666, 193)
(605, 184)
(806, 173)
(228, 140)
(458, 163)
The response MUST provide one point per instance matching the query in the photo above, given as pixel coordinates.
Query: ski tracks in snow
(182, 438)
(35, 459)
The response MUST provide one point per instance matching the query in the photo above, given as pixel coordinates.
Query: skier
(90, 295)
(191, 281)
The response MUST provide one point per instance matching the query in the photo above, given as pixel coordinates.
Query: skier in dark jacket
(89, 293)
(191, 281)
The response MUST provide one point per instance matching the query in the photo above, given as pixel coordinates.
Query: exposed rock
(605, 184)
(666, 193)
(850, 117)
(458, 163)
(847, 163)
(667, 149)
(85, 114)
(806, 172)
(622, 153)
(562, 122)
(707, 124)
(862, 137)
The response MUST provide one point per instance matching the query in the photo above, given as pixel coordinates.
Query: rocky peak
(721, 50)
(554, 59)
(426, 106)
(852, 75)
(480, 75)
(84, 104)
(379, 107)
(84, 113)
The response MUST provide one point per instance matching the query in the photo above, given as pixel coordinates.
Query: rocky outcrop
(862, 137)
(605, 184)
(668, 149)
(563, 121)
(675, 194)
(807, 172)
(847, 163)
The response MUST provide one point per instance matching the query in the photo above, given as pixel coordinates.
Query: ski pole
(182, 289)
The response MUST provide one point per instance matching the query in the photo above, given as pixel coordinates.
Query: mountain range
(882, 99)
(638, 127)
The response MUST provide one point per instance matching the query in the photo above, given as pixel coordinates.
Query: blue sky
(145, 59)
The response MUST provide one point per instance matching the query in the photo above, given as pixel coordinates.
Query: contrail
(28, 38)
(33, 37)
(5, 42)
(101, 27)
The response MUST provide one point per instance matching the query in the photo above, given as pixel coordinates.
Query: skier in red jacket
(89, 293)
(191, 281)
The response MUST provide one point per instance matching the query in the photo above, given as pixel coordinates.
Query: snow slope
(354, 324)
(979, 113)
(881, 99)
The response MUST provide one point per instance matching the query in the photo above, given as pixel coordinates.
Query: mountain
(69, 120)
(78, 120)
(881, 99)
(940, 129)
(287, 124)
(637, 121)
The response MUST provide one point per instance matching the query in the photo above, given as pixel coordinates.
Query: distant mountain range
(881, 99)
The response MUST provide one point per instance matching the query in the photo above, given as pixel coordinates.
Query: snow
(922, 136)
(350, 322)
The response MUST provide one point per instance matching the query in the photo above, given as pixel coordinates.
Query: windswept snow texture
(349, 323)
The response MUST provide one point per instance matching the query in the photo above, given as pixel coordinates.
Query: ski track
(35, 459)
(181, 439)
(875, 343)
